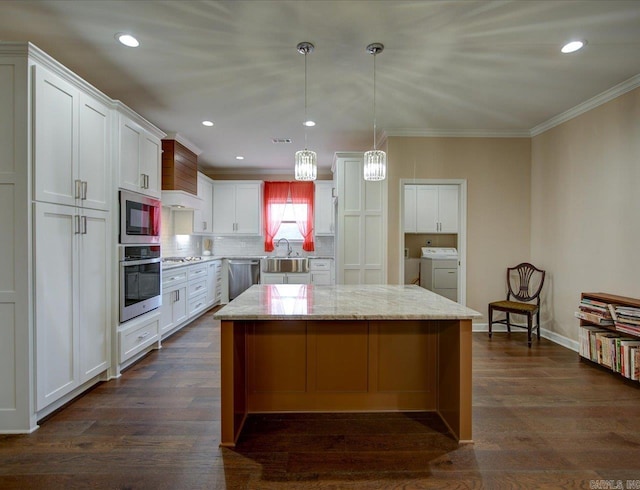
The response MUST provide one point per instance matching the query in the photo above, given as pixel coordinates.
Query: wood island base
(345, 366)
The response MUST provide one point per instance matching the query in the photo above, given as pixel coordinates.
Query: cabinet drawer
(135, 339)
(197, 304)
(197, 271)
(197, 287)
(320, 264)
(173, 277)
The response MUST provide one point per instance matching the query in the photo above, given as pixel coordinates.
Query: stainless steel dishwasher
(242, 275)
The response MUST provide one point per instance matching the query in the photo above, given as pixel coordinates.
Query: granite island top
(342, 302)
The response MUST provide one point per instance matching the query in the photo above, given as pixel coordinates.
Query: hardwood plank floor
(542, 419)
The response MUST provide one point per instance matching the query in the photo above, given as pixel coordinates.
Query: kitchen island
(302, 348)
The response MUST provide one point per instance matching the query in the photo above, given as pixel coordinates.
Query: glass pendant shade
(306, 166)
(375, 165)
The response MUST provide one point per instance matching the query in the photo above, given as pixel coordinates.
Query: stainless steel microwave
(139, 218)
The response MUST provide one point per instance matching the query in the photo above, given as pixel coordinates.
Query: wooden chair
(525, 283)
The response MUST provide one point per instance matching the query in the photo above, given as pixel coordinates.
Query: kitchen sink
(285, 264)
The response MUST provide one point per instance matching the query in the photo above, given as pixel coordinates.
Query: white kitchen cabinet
(203, 217)
(214, 282)
(321, 271)
(174, 299)
(72, 134)
(139, 157)
(72, 289)
(361, 248)
(285, 278)
(139, 334)
(431, 208)
(324, 208)
(237, 208)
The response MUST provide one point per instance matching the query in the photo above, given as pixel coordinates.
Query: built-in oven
(139, 218)
(140, 280)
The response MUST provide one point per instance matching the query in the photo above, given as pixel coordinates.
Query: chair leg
(538, 323)
(508, 324)
(529, 325)
(490, 317)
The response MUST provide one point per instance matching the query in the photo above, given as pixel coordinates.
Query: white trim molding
(457, 133)
(545, 333)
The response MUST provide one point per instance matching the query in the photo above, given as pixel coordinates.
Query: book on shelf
(628, 328)
(628, 311)
(596, 318)
(636, 357)
(627, 348)
(605, 342)
(594, 302)
(587, 341)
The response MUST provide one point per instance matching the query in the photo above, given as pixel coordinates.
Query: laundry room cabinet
(431, 208)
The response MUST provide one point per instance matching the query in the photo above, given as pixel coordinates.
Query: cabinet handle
(84, 225)
(147, 177)
(177, 295)
(84, 190)
(143, 335)
(78, 183)
(76, 229)
(204, 225)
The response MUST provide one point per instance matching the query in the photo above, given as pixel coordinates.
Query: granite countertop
(205, 258)
(342, 302)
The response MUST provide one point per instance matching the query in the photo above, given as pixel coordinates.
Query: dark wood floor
(542, 419)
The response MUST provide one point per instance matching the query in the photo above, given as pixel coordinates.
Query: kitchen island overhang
(304, 348)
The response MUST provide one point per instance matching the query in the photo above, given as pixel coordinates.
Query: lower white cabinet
(214, 282)
(174, 299)
(72, 298)
(321, 271)
(139, 334)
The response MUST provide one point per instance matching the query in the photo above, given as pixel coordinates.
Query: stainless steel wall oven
(140, 280)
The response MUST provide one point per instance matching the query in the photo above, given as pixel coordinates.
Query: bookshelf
(607, 335)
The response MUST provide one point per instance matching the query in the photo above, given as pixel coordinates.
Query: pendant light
(306, 166)
(375, 161)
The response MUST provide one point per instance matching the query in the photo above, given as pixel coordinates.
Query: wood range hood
(180, 173)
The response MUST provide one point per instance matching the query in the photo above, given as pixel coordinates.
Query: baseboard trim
(547, 334)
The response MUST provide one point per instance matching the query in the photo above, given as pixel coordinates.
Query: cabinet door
(409, 208)
(323, 208)
(272, 278)
(93, 297)
(212, 282)
(166, 310)
(426, 209)
(151, 165)
(224, 201)
(131, 136)
(56, 308)
(448, 208)
(94, 143)
(203, 217)
(321, 278)
(55, 139)
(299, 278)
(248, 209)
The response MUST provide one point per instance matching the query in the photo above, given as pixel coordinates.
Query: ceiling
(448, 67)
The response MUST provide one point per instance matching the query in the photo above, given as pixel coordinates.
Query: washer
(439, 271)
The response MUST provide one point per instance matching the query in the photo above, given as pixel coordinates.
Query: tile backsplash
(189, 245)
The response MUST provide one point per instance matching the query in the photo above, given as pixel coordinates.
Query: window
(288, 213)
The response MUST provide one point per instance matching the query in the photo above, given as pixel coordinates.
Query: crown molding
(184, 142)
(587, 105)
(456, 133)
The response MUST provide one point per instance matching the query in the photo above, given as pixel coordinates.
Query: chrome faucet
(289, 251)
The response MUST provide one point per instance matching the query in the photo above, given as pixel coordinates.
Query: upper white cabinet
(203, 217)
(139, 158)
(237, 207)
(431, 208)
(323, 208)
(71, 144)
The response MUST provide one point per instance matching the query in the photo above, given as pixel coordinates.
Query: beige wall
(497, 171)
(585, 225)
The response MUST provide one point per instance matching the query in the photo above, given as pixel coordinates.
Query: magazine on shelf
(593, 318)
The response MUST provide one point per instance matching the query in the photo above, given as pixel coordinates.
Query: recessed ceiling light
(127, 40)
(572, 47)
(207, 123)
(309, 123)
(239, 157)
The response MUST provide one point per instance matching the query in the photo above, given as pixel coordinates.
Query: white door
(94, 152)
(151, 165)
(426, 209)
(409, 208)
(130, 135)
(224, 201)
(56, 138)
(56, 287)
(93, 300)
(248, 209)
(448, 208)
